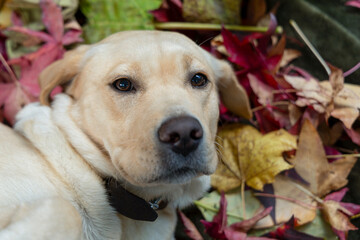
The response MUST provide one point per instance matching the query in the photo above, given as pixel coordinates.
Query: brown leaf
(284, 209)
(256, 9)
(347, 115)
(329, 135)
(332, 211)
(311, 164)
(288, 56)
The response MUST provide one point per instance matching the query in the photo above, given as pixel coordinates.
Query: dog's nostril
(196, 134)
(181, 134)
(174, 137)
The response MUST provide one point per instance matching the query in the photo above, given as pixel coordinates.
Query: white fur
(68, 151)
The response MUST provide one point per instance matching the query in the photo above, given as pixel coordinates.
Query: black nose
(181, 134)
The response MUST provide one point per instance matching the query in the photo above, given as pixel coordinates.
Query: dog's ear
(60, 72)
(232, 94)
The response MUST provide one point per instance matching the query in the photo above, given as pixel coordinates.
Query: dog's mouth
(179, 176)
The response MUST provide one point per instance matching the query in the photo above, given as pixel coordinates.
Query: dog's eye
(123, 84)
(199, 80)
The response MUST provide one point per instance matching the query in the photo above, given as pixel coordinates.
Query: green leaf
(212, 11)
(318, 228)
(110, 16)
(209, 205)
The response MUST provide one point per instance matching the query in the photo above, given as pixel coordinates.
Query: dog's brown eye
(123, 84)
(199, 80)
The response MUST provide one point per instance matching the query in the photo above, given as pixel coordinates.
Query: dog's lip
(182, 174)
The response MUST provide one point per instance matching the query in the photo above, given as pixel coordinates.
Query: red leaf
(169, 11)
(216, 228)
(213, 229)
(221, 217)
(17, 98)
(52, 18)
(354, 3)
(72, 36)
(353, 134)
(190, 229)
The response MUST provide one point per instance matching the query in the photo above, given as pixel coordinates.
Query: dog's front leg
(52, 218)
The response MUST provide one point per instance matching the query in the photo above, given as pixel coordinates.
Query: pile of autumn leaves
(17, 91)
(288, 158)
(281, 171)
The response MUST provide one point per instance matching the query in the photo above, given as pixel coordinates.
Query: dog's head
(149, 99)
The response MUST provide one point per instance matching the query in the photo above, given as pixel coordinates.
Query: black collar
(130, 205)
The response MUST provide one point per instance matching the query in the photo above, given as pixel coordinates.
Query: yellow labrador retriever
(130, 140)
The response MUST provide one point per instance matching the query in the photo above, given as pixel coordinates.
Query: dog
(135, 127)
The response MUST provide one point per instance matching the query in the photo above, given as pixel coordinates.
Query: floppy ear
(232, 94)
(60, 72)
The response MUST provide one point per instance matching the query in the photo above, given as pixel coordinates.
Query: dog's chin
(179, 176)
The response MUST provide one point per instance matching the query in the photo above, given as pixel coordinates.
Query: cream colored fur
(52, 166)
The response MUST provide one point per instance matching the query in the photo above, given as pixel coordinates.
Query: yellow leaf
(248, 156)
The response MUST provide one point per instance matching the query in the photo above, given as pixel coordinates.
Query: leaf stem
(210, 26)
(305, 205)
(307, 192)
(9, 70)
(355, 216)
(351, 70)
(215, 210)
(243, 204)
(310, 46)
(344, 155)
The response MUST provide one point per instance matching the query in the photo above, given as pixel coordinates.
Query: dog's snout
(181, 134)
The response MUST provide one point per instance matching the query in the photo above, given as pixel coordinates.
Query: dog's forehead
(143, 45)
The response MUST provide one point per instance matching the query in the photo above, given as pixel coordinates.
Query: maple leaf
(17, 93)
(322, 177)
(310, 163)
(337, 213)
(218, 228)
(32, 64)
(333, 97)
(190, 229)
(248, 156)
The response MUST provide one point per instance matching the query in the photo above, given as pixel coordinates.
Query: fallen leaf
(212, 11)
(353, 3)
(330, 134)
(337, 219)
(27, 89)
(256, 9)
(263, 91)
(287, 232)
(248, 156)
(319, 228)
(288, 56)
(209, 205)
(337, 213)
(169, 11)
(218, 228)
(311, 92)
(310, 163)
(302, 206)
(190, 229)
